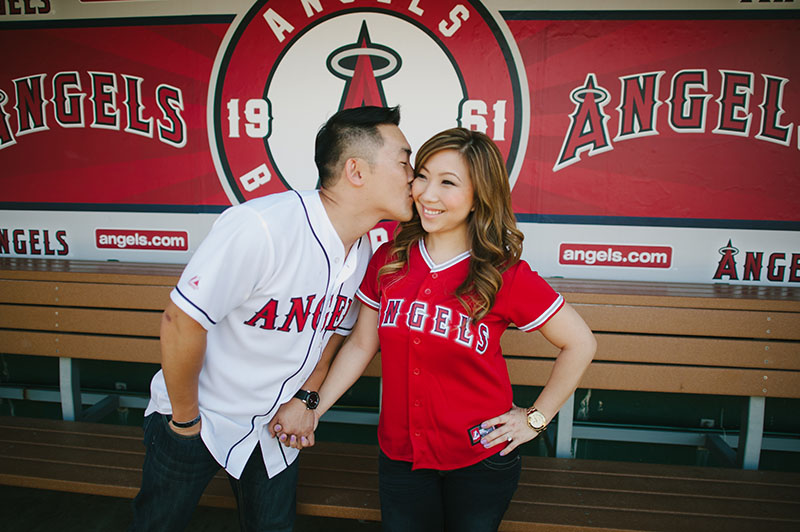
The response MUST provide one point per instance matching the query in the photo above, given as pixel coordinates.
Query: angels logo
(287, 65)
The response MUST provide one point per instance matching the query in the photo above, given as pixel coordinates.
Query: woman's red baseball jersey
(442, 374)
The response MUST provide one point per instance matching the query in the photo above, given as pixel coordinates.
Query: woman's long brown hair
(491, 226)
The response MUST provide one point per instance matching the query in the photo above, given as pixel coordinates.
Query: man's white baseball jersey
(443, 375)
(271, 284)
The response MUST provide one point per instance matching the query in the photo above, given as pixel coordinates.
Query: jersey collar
(443, 266)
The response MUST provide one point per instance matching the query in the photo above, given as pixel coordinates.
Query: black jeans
(177, 470)
(470, 499)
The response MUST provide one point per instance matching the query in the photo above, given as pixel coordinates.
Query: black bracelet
(187, 424)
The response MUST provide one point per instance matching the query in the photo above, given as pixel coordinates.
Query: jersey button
(427, 291)
(418, 434)
(417, 402)
(435, 275)
(416, 371)
(417, 341)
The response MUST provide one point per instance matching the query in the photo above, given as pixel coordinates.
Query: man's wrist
(186, 424)
(311, 399)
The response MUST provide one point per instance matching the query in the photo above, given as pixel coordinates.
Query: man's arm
(183, 346)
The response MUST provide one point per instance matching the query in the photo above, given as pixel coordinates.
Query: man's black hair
(350, 133)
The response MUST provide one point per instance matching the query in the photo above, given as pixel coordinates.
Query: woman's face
(443, 193)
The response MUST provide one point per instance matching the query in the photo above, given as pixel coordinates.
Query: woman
(436, 300)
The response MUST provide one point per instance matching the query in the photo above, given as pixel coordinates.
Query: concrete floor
(33, 510)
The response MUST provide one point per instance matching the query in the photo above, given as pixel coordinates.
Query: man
(250, 318)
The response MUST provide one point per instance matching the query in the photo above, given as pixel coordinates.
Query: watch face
(312, 400)
(536, 420)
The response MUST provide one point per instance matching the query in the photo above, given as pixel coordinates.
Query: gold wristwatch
(536, 420)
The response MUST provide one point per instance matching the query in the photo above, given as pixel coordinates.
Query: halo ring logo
(285, 66)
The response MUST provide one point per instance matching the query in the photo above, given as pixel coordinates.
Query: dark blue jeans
(470, 499)
(177, 470)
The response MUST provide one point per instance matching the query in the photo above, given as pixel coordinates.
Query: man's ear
(352, 171)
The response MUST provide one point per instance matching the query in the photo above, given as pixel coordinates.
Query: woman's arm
(567, 331)
(353, 358)
(348, 365)
(294, 421)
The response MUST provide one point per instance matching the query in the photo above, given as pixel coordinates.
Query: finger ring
(510, 438)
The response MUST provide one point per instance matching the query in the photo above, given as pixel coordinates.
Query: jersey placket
(418, 321)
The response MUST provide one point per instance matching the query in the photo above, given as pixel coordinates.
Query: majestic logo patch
(286, 66)
(477, 432)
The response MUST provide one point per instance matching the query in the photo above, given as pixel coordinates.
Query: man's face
(392, 172)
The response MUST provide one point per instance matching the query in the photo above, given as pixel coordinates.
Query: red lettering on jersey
(267, 313)
(339, 312)
(298, 313)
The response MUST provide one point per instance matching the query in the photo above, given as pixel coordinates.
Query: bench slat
(89, 271)
(86, 346)
(694, 351)
(96, 295)
(687, 295)
(548, 517)
(127, 322)
(691, 322)
(665, 378)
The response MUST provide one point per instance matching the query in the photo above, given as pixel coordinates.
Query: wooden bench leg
(564, 429)
(69, 382)
(752, 433)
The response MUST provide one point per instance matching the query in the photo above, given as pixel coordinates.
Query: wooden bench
(702, 339)
(679, 338)
(340, 480)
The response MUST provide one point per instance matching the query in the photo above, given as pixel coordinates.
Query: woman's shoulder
(521, 272)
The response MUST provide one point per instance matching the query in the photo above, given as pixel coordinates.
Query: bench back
(658, 337)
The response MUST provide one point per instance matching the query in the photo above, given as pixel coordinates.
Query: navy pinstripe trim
(308, 351)
(283, 453)
(195, 306)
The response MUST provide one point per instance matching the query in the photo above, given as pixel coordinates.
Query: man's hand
(294, 424)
